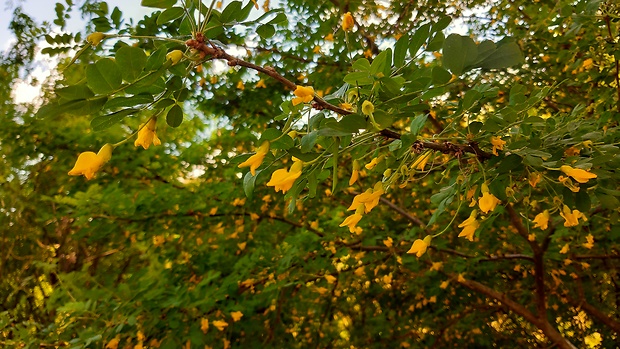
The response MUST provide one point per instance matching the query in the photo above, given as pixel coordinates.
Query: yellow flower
(147, 135)
(346, 106)
(174, 56)
(581, 176)
(260, 84)
(352, 221)
(488, 201)
(469, 226)
(236, 315)
(221, 325)
(589, 242)
(329, 37)
(304, 94)
(369, 199)
(283, 179)
(204, 325)
(421, 161)
(498, 144)
(565, 249)
(373, 162)
(95, 38)
(356, 172)
(571, 218)
(347, 22)
(240, 86)
(88, 163)
(569, 184)
(317, 49)
(368, 108)
(534, 178)
(419, 246)
(113, 343)
(542, 220)
(254, 161)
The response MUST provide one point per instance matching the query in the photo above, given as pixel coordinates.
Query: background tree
(493, 163)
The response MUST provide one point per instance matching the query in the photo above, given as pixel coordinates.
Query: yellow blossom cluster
(363, 203)
(254, 161)
(283, 179)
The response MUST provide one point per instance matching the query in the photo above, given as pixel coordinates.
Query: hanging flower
(174, 56)
(498, 144)
(469, 226)
(356, 172)
(373, 163)
(419, 246)
(534, 179)
(353, 220)
(581, 176)
(569, 184)
(147, 135)
(368, 199)
(254, 161)
(88, 163)
(283, 179)
(571, 217)
(304, 94)
(347, 22)
(368, 108)
(488, 201)
(542, 220)
(421, 161)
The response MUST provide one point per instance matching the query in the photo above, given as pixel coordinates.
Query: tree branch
(215, 52)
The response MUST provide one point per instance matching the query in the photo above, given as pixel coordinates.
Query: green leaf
(378, 64)
(417, 124)
(459, 52)
(506, 55)
(174, 118)
(278, 19)
(123, 102)
(232, 10)
(302, 156)
(75, 92)
(436, 42)
(418, 39)
(158, 3)
(441, 24)
(101, 123)
(266, 31)
(400, 50)
(308, 141)
(104, 76)
(359, 79)
(441, 76)
(249, 182)
(131, 61)
(471, 97)
(156, 59)
(270, 134)
(169, 15)
(361, 64)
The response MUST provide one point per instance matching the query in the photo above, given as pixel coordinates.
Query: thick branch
(542, 323)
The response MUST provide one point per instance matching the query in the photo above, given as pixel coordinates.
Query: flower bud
(95, 38)
(174, 56)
